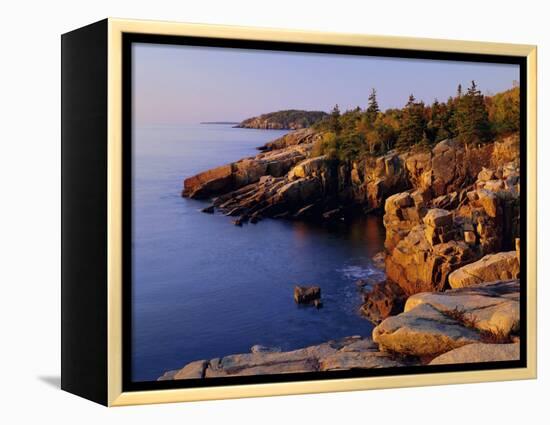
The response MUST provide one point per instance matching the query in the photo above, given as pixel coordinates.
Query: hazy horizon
(188, 85)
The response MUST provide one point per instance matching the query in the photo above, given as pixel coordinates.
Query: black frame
(129, 38)
(84, 93)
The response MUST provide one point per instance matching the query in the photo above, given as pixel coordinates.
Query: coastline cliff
(451, 215)
(446, 179)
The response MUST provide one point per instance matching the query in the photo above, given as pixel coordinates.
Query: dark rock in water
(307, 211)
(282, 215)
(307, 294)
(333, 214)
(379, 260)
(361, 283)
(384, 300)
(208, 210)
(239, 221)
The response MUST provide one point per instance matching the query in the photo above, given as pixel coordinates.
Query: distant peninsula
(220, 122)
(292, 119)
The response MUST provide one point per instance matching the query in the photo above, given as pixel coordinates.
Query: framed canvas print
(251, 212)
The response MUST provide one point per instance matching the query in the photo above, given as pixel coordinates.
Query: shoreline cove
(212, 305)
(451, 249)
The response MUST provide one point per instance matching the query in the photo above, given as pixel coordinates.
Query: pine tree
(439, 127)
(334, 120)
(413, 124)
(472, 119)
(451, 116)
(373, 109)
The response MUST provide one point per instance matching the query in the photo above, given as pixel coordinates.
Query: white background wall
(30, 212)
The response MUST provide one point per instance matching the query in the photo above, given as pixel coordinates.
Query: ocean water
(204, 288)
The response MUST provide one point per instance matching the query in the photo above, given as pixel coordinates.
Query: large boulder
(422, 331)
(491, 307)
(493, 267)
(434, 323)
(479, 353)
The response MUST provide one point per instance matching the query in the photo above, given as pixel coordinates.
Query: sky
(187, 85)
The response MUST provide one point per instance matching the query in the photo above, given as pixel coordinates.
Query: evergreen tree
(373, 109)
(472, 119)
(413, 124)
(439, 127)
(451, 116)
(334, 120)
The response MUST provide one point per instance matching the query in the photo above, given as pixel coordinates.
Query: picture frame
(97, 162)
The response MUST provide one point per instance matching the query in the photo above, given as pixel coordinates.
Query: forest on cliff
(470, 117)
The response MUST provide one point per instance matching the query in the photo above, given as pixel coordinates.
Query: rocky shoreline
(451, 256)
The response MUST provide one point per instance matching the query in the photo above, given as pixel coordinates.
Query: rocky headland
(451, 253)
(292, 119)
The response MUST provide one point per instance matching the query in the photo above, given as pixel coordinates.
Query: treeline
(470, 117)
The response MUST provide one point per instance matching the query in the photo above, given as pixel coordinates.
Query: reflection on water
(204, 288)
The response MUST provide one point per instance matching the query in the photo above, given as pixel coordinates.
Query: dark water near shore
(204, 288)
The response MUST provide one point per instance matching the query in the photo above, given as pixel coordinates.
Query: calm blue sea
(204, 288)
